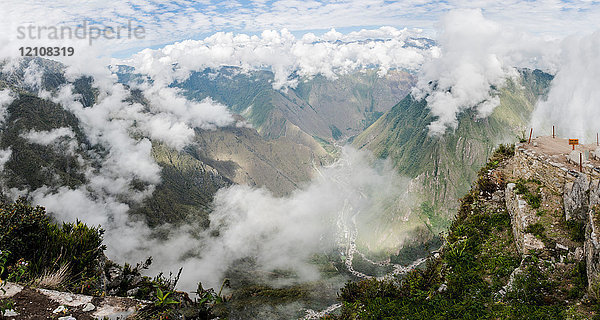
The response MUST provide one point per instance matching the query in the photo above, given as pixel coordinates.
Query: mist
(283, 233)
(476, 57)
(573, 100)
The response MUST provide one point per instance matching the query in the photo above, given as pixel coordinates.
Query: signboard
(573, 142)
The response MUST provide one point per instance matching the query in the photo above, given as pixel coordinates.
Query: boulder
(576, 198)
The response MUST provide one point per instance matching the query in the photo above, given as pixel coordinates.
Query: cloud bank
(168, 21)
(476, 55)
(283, 233)
(573, 101)
(284, 54)
(118, 128)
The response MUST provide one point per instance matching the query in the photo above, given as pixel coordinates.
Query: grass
(53, 279)
(534, 199)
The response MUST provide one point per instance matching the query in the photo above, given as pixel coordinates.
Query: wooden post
(530, 133)
(552, 132)
(580, 162)
(597, 142)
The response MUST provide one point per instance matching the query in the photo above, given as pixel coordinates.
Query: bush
(576, 230)
(29, 234)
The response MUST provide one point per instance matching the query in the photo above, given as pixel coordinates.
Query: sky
(166, 22)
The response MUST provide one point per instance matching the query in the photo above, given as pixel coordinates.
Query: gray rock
(592, 249)
(132, 292)
(10, 313)
(59, 309)
(576, 198)
(442, 288)
(521, 216)
(594, 193)
(89, 307)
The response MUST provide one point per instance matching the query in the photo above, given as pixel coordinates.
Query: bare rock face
(592, 239)
(594, 193)
(521, 216)
(592, 252)
(576, 198)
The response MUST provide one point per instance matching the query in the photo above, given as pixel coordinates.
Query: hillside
(321, 107)
(522, 246)
(442, 168)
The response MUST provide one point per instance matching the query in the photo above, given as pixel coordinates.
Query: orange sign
(573, 142)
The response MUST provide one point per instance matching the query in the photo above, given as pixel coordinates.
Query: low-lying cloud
(119, 170)
(282, 233)
(476, 55)
(574, 98)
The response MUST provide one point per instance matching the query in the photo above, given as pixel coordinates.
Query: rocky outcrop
(576, 198)
(529, 165)
(592, 251)
(34, 303)
(592, 239)
(581, 202)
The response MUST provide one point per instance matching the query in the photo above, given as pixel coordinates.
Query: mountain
(277, 139)
(328, 109)
(442, 168)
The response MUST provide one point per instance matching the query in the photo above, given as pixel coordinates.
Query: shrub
(29, 234)
(576, 230)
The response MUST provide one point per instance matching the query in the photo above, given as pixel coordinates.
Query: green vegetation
(538, 230)
(448, 165)
(34, 249)
(335, 132)
(533, 199)
(32, 238)
(33, 166)
(576, 230)
(163, 299)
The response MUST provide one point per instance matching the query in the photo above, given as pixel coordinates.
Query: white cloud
(573, 100)
(475, 55)
(62, 138)
(166, 22)
(281, 52)
(4, 157)
(48, 137)
(6, 98)
(121, 128)
(283, 233)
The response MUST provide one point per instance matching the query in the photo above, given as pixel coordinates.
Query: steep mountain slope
(31, 165)
(324, 108)
(443, 167)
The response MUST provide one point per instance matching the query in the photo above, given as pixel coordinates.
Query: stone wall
(521, 216)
